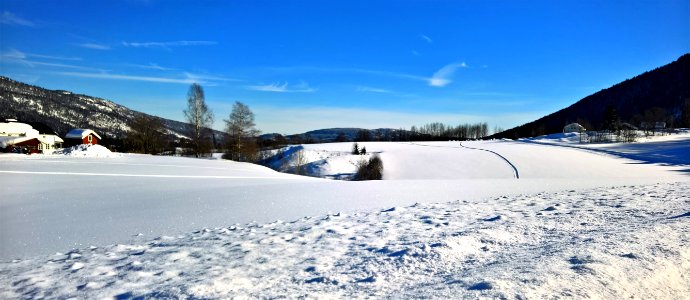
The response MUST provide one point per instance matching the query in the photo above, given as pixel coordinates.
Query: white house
(573, 127)
(27, 139)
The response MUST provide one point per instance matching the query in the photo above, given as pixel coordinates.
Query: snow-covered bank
(631, 241)
(54, 203)
(86, 151)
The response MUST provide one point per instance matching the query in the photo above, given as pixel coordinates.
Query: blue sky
(303, 65)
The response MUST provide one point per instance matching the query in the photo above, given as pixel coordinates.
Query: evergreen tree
(611, 120)
(355, 149)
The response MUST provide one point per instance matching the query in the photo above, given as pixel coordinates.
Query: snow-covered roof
(15, 128)
(79, 133)
(45, 139)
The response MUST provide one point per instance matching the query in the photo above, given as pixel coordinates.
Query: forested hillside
(660, 95)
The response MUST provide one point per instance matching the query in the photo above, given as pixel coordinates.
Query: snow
(449, 220)
(598, 243)
(80, 133)
(86, 150)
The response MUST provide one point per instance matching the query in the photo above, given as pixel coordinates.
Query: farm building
(82, 136)
(573, 127)
(23, 138)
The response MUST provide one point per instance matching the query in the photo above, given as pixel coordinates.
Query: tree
(241, 131)
(363, 135)
(341, 137)
(370, 170)
(355, 149)
(611, 120)
(145, 135)
(200, 117)
(685, 114)
(363, 151)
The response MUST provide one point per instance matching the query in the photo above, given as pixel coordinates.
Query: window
(90, 138)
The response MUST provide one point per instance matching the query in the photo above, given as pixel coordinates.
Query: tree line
(147, 134)
(241, 142)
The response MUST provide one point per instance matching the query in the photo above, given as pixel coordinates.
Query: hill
(666, 87)
(63, 110)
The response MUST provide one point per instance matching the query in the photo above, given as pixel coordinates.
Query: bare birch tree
(200, 117)
(241, 131)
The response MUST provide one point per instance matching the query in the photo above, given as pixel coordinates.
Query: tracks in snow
(516, 173)
(515, 170)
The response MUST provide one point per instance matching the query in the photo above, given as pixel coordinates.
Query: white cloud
(19, 55)
(168, 44)
(11, 19)
(151, 66)
(128, 77)
(442, 77)
(426, 38)
(282, 88)
(207, 77)
(373, 90)
(94, 46)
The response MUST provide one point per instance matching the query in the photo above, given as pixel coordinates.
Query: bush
(370, 170)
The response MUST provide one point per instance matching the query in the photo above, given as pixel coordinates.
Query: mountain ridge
(666, 87)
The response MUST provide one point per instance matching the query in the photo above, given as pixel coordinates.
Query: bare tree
(241, 132)
(200, 117)
(145, 135)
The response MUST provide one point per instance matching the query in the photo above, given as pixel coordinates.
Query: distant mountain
(349, 134)
(666, 87)
(63, 110)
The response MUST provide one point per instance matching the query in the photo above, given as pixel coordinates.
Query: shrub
(370, 170)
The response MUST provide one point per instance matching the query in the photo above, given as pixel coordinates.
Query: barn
(23, 138)
(82, 136)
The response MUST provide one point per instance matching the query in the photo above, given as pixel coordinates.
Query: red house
(83, 136)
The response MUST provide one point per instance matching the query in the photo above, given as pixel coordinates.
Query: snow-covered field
(577, 223)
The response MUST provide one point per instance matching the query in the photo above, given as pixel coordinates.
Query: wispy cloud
(442, 77)
(168, 44)
(94, 46)
(426, 38)
(16, 54)
(415, 53)
(184, 78)
(208, 78)
(369, 89)
(11, 19)
(18, 57)
(311, 69)
(128, 77)
(282, 88)
(152, 66)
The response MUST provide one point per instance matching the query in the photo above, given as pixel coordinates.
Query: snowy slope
(456, 160)
(600, 243)
(577, 223)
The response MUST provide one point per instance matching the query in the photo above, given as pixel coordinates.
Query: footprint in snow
(392, 209)
(481, 286)
(492, 219)
(369, 279)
